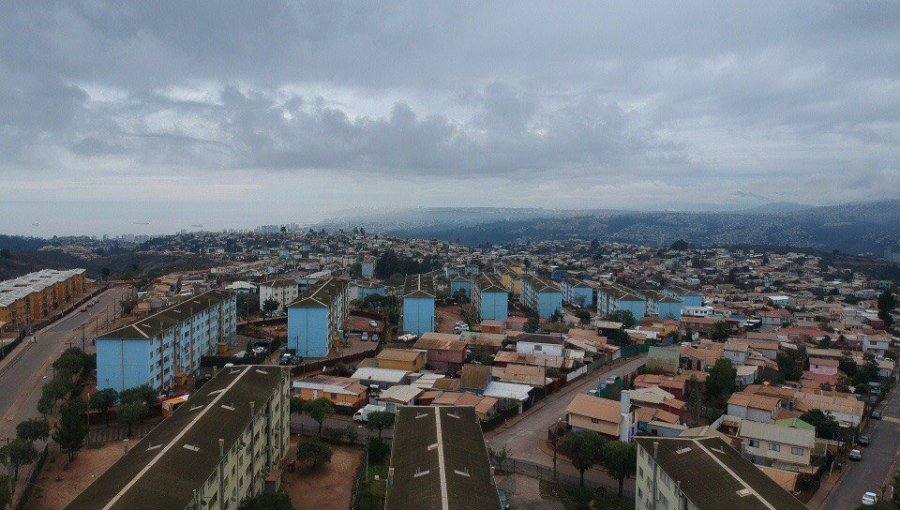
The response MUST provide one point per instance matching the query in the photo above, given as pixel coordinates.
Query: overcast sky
(232, 114)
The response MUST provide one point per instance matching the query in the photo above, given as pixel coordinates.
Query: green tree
(5, 494)
(533, 325)
(792, 363)
(71, 429)
(33, 430)
(720, 332)
(313, 451)
(694, 400)
(103, 401)
(623, 316)
(73, 360)
(19, 452)
(270, 306)
(133, 413)
(380, 420)
(826, 426)
(720, 383)
(886, 305)
(319, 409)
(267, 501)
(583, 315)
(105, 272)
(144, 393)
(620, 461)
(378, 450)
(584, 450)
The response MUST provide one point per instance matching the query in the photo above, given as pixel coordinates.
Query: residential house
(770, 444)
(541, 344)
(754, 407)
(343, 392)
(410, 360)
(446, 352)
(610, 418)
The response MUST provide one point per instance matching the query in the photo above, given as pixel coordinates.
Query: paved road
(523, 436)
(871, 472)
(23, 376)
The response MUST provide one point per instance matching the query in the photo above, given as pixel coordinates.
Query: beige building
(225, 444)
(609, 418)
(703, 473)
(776, 445)
(284, 290)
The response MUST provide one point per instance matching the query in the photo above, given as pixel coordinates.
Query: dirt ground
(58, 483)
(525, 493)
(447, 318)
(330, 487)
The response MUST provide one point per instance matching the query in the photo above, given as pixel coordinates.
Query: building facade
(220, 446)
(316, 319)
(490, 298)
(157, 349)
(541, 295)
(419, 314)
(282, 290)
(577, 292)
(35, 296)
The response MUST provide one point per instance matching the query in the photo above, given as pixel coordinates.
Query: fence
(31, 481)
(532, 470)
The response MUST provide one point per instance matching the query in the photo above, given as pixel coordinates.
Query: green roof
(795, 423)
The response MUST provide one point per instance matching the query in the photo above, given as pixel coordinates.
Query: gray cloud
(697, 99)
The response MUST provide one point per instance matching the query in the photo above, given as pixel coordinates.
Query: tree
(378, 450)
(583, 315)
(556, 316)
(499, 456)
(5, 494)
(620, 460)
(319, 409)
(826, 426)
(33, 430)
(792, 363)
(694, 400)
(886, 305)
(380, 420)
(679, 245)
(623, 316)
(71, 429)
(720, 383)
(132, 414)
(19, 452)
(720, 332)
(103, 401)
(267, 501)
(105, 272)
(584, 450)
(144, 393)
(270, 306)
(313, 451)
(533, 325)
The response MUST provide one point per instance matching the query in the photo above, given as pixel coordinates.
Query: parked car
(373, 324)
(259, 351)
(365, 337)
(504, 499)
(285, 360)
(869, 499)
(876, 414)
(296, 360)
(84, 308)
(855, 455)
(362, 415)
(863, 440)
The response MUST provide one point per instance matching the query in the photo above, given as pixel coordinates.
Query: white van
(362, 415)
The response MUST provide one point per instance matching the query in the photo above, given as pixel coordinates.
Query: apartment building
(419, 314)
(662, 305)
(439, 460)
(212, 453)
(541, 295)
(702, 474)
(35, 296)
(283, 290)
(490, 297)
(612, 297)
(316, 319)
(577, 292)
(157, 349)
(461, 284)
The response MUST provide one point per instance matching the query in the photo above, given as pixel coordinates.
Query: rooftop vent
(683, 450)
(191, 447)
(420, 473)
(228, 407)
(744, 493)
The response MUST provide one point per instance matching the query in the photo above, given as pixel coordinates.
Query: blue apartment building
(419, 314)
(157, 349)
(612, 297)
(662, 305)
(464, 284)
(541, 295)
(490, 297)
(316, 319)
(577, 292)
(688, 297)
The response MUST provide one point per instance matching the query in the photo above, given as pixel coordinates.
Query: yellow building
(340, 391)
(402, 359)
(35, 296)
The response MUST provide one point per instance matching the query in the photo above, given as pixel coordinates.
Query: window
(595, 420)
(537, 348)
(753, 443)
(796, 450)
(775, 447)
